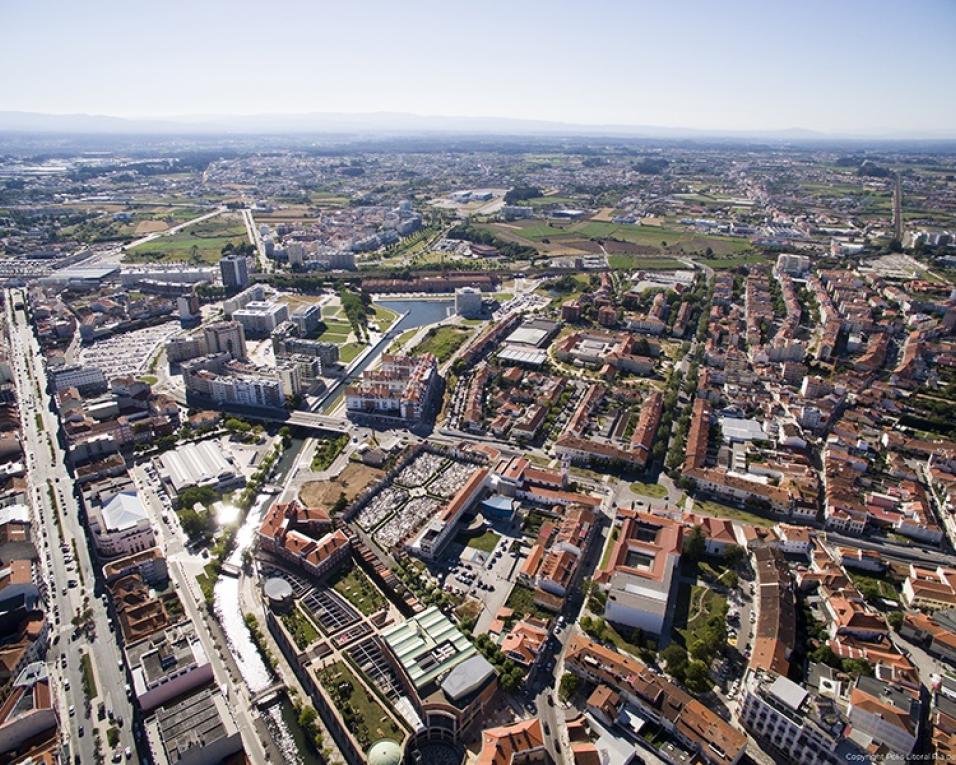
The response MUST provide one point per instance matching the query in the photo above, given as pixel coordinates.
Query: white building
(468, 302)
(795, 265)
(247, 391)
(121, 526)
(167, 665)
(202, 464)
(260, 317)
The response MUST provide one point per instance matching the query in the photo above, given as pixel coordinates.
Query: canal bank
(276, 723)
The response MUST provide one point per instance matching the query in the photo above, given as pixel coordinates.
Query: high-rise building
(468, 302)
(188, 307)
(235, 272)
(307, 319)
(226, 337)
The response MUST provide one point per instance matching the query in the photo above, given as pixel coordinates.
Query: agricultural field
(558, 237)
(141, 221)
(197, 244)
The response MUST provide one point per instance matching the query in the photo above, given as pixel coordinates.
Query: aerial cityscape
(342, 435)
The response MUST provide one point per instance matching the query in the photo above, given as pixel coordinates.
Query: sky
(840, 66)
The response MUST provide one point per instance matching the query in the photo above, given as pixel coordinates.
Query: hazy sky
(839, 65)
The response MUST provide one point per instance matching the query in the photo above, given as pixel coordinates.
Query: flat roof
(737, 429)
(523, 355)
(788, 692)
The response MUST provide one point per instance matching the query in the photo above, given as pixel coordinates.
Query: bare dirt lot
(350, 481)
(150, 226)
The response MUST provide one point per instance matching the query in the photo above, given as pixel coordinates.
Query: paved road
(48, 469)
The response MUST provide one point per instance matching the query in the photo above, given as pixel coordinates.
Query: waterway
(279, 717)
(415, 314)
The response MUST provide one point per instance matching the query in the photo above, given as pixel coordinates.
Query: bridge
(267, 696)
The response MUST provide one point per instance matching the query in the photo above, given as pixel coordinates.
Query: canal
(280, 717)
(415, 314)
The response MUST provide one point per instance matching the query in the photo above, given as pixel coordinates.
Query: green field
(353, 585)
(636, 262)
(649, 490)
(200, 243)
(366, 719)
(443, 342)
(521, 601)
(657, 237)
(486, 542)
(719, 510)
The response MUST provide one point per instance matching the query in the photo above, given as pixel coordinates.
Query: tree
(675, 659)
(194, 523)
(340, 504)
(568, 686)
(733, 554)
(895, 618)
(697, 676)
(695, 544)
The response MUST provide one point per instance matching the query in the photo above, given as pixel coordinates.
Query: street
(51, 488)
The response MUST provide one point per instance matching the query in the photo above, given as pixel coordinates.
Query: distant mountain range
(397, 123)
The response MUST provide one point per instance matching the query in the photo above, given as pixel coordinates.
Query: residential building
(235, 272)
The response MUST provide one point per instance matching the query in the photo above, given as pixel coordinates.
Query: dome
(384, 752)
(278, 589)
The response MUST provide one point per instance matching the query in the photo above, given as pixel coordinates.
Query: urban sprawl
(580, 452)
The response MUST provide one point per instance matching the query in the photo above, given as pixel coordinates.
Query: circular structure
(279, 592)
(439, 753)
(384, 752)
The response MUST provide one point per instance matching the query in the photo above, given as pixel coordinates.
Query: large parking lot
(128, 353)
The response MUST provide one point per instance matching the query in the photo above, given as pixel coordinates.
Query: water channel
(280, 717)
(415, 314)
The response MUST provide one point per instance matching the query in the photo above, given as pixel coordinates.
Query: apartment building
(401, 387)
(693, 726)
(801, 726)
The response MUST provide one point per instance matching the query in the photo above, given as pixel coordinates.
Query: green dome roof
(384, 752)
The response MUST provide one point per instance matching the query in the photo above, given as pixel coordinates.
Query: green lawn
(718, 510)
(442, 341)
(521, 601)
(89, 677)
(364, 716)
(649, 490)
(208, 238)
(609, 547)
(353, 585)
(385, 317)
(301, 628)
(486, 542)
(349, 351)
(702, 605)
